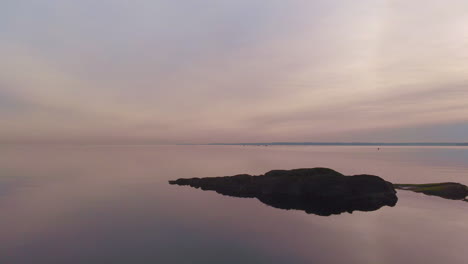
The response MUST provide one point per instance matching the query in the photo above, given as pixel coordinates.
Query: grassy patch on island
(447, 190)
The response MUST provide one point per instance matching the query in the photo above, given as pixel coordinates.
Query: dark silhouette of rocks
(318, 191)
(447, 190)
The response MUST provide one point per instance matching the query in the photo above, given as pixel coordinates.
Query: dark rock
(318, 191)
(447, 190)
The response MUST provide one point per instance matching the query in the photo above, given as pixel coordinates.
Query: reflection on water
(319, 191)
(112, 204)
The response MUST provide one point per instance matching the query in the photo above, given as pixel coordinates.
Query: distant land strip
(343, 144)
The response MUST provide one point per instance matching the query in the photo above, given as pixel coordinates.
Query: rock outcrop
(318, 191)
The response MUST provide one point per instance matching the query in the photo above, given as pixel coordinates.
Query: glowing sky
(196, 71)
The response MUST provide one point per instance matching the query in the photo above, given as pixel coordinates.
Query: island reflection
(319, 191)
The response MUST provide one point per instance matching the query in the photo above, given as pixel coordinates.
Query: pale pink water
(112, 204)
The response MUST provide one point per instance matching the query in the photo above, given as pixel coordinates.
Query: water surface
(112, 204)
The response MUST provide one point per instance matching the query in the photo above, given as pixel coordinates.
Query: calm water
(112, 204)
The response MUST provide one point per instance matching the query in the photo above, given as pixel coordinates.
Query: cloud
(162, 71)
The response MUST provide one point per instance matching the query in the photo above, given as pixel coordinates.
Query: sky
(205, 71)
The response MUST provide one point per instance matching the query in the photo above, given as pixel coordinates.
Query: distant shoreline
(376, 144)
(416, 144)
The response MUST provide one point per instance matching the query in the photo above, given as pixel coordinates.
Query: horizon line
(358, 143)
(278, 143)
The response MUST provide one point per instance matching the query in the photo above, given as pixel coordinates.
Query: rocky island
(447, 190)
(318, 191)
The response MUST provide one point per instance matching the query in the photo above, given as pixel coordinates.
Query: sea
(96, 204)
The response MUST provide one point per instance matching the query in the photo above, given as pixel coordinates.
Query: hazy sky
(196, 71)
